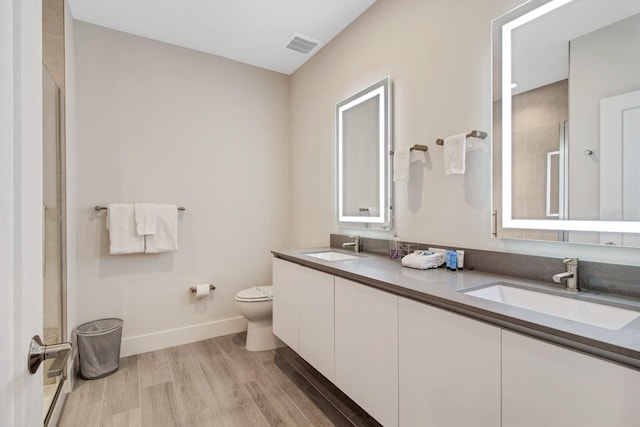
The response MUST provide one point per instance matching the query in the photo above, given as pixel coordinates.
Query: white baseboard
(179, 336)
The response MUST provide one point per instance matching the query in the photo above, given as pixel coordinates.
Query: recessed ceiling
(255, 32)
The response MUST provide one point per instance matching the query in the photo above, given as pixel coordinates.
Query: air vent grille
(301, 44)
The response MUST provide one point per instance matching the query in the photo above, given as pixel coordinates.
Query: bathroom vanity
(413, 347)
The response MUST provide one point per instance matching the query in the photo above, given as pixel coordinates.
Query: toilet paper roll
(202, 291)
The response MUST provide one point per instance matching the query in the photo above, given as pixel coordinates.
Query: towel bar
(416, 147)
(473, 134)
(104, 208)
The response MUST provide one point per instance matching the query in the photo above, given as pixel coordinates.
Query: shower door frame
(60, 178)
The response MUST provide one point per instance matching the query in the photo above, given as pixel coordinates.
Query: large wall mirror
(566, 121)
(363, 142)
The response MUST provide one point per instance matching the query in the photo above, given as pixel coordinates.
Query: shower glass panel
(54, 230)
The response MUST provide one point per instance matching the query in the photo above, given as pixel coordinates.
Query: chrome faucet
(570, 276)
(355, 244)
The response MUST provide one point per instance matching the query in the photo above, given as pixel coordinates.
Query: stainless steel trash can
(99, 347)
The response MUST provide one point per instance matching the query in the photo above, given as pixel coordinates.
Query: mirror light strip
(382, 155)
(535, 13)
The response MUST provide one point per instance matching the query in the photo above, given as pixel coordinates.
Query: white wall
(161, 123)
(438, 55)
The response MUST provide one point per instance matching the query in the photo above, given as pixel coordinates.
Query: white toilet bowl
(256, 305)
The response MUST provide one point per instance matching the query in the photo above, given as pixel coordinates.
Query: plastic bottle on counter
(460, 259)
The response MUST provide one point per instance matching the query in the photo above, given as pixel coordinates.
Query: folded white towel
(439, 251)
(122, 230)
(145, 214)
(401, 164)
(455, 148)
(423, 261)
(166, 237)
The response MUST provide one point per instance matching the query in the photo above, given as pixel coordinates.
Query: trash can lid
(99, 326)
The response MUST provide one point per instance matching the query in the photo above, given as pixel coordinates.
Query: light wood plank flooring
(211, 383)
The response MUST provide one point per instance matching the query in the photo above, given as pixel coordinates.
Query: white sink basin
(331, 256)
(591, 313)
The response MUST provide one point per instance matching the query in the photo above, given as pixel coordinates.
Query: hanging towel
(417, 156)
(401, 164)
(402, 159)
(145, 214)
(166, 237)
(455, 148)
(122, 230)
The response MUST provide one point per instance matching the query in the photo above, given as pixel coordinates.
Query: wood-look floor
(211, 383)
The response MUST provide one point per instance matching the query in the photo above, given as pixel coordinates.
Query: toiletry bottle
(454, 260)
(393, 247)
(460, 259)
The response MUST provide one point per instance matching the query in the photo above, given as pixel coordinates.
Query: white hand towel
(417, 156)
(402, 159)
(166, 237)
(145, 214)
(455, 148)
(422, 261)
(122, 230)
(401, 164)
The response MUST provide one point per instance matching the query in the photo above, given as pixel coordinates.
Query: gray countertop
(441, 287)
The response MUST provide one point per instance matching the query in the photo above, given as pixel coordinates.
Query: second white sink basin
(331, 256)
(604, 316)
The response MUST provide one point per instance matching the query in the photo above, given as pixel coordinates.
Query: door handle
(38, 353)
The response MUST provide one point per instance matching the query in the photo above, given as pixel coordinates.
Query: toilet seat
(255, 294)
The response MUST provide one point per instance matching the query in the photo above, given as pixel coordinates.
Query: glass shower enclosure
(54, 223)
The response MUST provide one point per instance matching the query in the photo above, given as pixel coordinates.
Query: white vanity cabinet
(366, 348)
(286, 323)
(303, 313)
(412, 364)
(547, 385)
(316, 319)
(449, 368)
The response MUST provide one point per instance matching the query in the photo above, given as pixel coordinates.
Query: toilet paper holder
(193, 288)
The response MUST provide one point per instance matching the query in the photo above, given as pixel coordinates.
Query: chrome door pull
(38, 352)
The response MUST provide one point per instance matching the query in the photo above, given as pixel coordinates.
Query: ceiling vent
(300, 43)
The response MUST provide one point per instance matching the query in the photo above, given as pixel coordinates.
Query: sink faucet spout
(355, 244)
(558, 278)
(570, 276)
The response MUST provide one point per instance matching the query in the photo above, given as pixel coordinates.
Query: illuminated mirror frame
(507, 220)
(382, 90)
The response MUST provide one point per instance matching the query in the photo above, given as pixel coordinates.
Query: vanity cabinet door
(286, 302)
(548, 385)
(449, 371)
(316, 319)
(366, 348)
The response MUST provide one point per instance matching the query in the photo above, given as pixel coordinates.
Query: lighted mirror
(566, 121)
(363, 143)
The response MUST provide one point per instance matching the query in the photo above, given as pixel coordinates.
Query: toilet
(255, 304)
